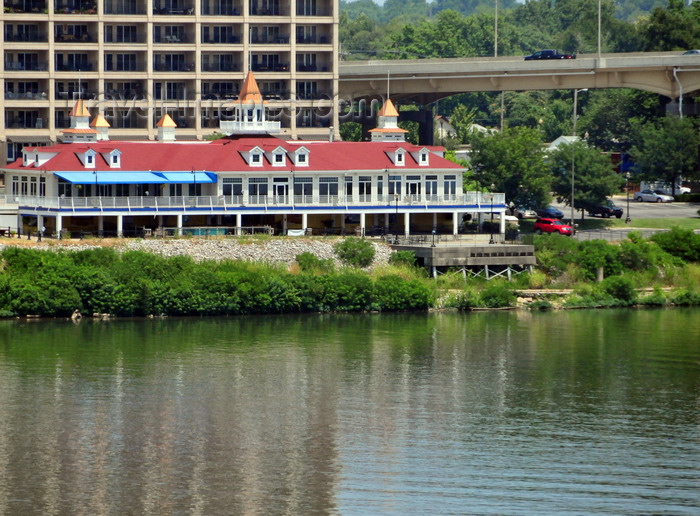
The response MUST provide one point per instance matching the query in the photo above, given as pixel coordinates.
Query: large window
(306, 7)
(450, 185)
(120, 34)
(327, 187)
(364, 187)
(431, 186)
(257, 190)
(120, 62)
(303, 187)
(233, 186)
(394, 185)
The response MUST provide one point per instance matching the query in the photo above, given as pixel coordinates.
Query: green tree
(666, 150)
(513, 161)
(675, 28)
(351, 132)
(609, 115)
(594, 177)
(462, 120)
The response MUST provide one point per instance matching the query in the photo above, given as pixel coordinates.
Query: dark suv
(606, 210)
(552, 226)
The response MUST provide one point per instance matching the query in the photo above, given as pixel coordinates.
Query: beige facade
(135, 60)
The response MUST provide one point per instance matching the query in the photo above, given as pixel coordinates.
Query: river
(571, 412)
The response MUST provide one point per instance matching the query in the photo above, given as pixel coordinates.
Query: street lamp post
(628, 219)
(434, 231)
(599, 1)
(491, 220)
(573, 154)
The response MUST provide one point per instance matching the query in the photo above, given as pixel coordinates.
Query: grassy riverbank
(109, 277)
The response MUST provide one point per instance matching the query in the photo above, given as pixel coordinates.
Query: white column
(342, 222)
(59, 224)
(39, 223)
(304, 221)
(455, 223)
(386, 221)
(284, 224)
(100, 225)
(179, 224)
(503, 223)
(362, 224)
(406, 223)
(239, 220)
(120, 225)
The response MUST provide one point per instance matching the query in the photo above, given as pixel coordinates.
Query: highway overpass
(427, 80)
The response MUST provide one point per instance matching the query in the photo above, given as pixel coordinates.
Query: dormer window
(423, 158)
(399, 157)
(300, 157)
(114, 158)
(279, 159)
(254, 156)
(88, 158)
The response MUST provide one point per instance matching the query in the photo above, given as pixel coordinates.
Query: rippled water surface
(584, 412)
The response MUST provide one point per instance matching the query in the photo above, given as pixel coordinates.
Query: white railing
(480, 200)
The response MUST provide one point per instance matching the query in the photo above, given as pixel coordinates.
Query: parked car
(523, 213)
(550, 212)
(543, 225)
(652, 196)
(549, 54)
(691, 52)
(606, 210)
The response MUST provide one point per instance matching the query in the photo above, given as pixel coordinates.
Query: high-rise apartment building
(135, 60)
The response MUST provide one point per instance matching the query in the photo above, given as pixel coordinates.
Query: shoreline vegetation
(192, 277)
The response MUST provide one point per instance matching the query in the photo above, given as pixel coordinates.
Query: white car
(652, 196)
(523, 213)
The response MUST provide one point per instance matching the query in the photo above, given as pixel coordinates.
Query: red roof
(226, 155)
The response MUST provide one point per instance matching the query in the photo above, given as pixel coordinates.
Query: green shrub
(682, 243)
(355, 252)
(309, 262)
(656, 298)
(407, 258)
(540, 304)
(465, 300)
(555, 254)
(686, 298)
(620, 288)
(594, 254)
(348, 292)
(497, 295)
(393, 293)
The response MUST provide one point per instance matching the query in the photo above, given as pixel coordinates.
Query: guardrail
(226, 202)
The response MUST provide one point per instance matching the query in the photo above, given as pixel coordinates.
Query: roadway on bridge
(426, 80)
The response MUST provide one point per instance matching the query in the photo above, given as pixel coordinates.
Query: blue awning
(111, 178)
(136, 178)
(187, 177)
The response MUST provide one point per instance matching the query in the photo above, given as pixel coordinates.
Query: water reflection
(442, 413)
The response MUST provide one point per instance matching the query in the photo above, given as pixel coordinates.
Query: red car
(553, 226)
